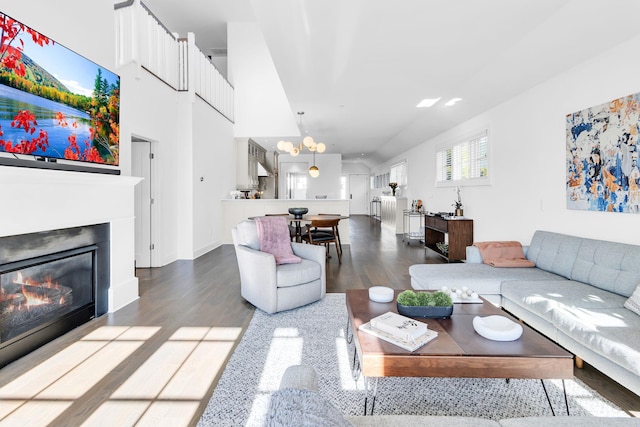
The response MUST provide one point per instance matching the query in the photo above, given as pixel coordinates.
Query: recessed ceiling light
(427, 102)
(452, 101)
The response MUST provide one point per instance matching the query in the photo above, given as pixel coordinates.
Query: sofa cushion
(633, 303)
(613, 333)
(608, 265)
(296, 274)
(554, 252)
(482, 278)
(543, 297)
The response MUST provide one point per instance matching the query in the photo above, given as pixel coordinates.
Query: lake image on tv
(12, 101)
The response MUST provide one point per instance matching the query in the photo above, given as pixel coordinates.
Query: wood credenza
(459, 235)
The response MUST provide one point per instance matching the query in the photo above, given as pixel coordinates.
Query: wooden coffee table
(458, 351)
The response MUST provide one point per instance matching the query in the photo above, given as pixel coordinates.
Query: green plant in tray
(432, 299)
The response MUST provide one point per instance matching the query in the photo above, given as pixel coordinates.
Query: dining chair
(337, 231)
(323, 232)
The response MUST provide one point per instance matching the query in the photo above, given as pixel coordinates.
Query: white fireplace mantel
(39, 200)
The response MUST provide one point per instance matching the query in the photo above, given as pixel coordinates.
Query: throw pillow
(633, 303)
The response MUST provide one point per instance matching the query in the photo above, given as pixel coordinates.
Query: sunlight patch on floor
(583, 397)
(285, 350)
(82, 378)
(169, 414)
(165, 390)
(32, 382)
(36, 413)
(193, 379)
(150, 378)
(344, 367)
(259, 409)
(118, 413)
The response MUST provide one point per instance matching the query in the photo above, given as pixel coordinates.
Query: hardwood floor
(157, 360)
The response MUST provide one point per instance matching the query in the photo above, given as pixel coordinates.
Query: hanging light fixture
(308, 143)
(313, 170)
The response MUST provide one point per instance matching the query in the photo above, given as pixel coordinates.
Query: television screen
(55, 103)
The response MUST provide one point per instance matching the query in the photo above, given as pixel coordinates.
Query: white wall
(190, 139)
(214, 175)
(151, 108)
(261, 106)
(328, 183)
(527, 137)
(58, 199)
(355, 168)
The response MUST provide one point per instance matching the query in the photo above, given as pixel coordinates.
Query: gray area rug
(314, 335)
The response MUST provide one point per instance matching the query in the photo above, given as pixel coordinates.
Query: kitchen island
(235, 211)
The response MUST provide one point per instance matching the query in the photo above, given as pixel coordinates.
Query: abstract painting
(602, 157)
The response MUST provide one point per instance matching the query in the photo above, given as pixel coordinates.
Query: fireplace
(50, 283)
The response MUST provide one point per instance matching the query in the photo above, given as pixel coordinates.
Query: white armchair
(272, 287)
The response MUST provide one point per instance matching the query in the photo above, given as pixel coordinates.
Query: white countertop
(284, 200)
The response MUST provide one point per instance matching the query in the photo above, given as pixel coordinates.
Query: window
(398, 173)
(466, 161)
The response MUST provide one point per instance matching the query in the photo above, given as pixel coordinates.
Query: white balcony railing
(141, 38)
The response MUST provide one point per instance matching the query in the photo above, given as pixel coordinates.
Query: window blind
(466, 160)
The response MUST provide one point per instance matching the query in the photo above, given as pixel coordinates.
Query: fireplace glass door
(38, 291)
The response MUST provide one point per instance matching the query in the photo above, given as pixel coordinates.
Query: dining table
(307, 218)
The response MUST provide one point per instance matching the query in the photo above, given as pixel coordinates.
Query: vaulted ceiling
(358, 68)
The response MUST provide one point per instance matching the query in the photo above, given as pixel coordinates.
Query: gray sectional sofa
(298, 403)
(574, 295)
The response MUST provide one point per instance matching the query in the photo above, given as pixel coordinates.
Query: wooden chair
(323, 232)
(337, 231)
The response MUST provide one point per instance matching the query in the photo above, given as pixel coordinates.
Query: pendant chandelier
(308, 143)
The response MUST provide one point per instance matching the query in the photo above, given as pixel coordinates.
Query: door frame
(366, 196)
(149, 217)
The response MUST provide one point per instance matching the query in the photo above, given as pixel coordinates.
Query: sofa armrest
(312, 252)
(315, 253)
(258, 278)
(473, 255)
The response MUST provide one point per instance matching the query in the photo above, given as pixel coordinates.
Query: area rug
(314, 335)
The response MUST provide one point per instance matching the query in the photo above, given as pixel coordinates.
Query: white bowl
(380, 294)
(497, 328)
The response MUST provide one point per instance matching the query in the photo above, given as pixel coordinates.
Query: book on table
(402, 331)
(402, 327)
(411, 345)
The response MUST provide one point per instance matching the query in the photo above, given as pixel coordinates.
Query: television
(54, 103)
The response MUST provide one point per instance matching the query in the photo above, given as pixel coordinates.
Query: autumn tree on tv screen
(53, 102)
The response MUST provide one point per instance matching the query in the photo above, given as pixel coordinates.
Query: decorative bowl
(497, 328)
(428, 311)
(298, 212)
(380, 294)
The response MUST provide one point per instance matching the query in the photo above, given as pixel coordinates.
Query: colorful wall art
(602, 157)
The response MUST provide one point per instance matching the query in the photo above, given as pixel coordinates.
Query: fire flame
(32, 298)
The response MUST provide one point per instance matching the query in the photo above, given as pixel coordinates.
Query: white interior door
(141, 167)
(359, 194)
